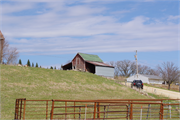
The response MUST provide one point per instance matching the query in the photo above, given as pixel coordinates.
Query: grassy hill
(39, 83)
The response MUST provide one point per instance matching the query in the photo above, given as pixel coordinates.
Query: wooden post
(161, 111)
(24, 109)
(15, 116)
(94, 110)
(131, 112)
(65, 110)
(104, 112)
(74, 110)
(127, 112)
(98, 110)
(52, 110)
(20, 108)
(17, 109)
(80, 113)
(46, 110)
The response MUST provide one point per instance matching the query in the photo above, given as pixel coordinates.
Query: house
(146, 79)
(90, 63)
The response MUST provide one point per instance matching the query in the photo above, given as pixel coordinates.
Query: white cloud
(15, 7)
(82, 28)
(171, 17)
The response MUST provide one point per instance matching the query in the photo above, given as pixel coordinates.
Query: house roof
(99, 64)
(90, 57)
(153, 77)
(1, 35)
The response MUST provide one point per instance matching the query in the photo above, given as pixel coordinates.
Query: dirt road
(157, 91)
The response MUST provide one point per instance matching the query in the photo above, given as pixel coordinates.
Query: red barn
(90, 63)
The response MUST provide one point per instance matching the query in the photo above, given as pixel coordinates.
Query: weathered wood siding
(78, 63)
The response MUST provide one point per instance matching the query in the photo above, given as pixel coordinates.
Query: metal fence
(126, 109)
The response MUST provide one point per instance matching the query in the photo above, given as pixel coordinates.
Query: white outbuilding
(146, 79)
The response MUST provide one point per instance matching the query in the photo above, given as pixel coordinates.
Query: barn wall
(78, 62)
(104, 71)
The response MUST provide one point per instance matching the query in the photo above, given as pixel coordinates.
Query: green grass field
(39, 83)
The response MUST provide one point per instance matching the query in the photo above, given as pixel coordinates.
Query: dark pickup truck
(137, 83)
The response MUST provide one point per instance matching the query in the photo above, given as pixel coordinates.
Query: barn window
(78, 61)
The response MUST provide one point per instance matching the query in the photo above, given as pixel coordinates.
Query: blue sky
(51, 32)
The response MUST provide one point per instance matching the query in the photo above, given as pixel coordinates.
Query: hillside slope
(39, 83)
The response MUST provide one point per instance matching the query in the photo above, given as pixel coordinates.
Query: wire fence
(126, 109)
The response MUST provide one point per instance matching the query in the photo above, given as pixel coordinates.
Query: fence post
(15, 116)
(80, 113)
(85, 111)
(127, 112)
(74, 110)
(65, 110)
(131, 111)
(17, 108)
(148, 111)
(161, 111)
(107, 111)
(141, 113)
(46, 110)
(104, 112)
(21, 109)
(98, 110)
(24, 109)
(52, 110)
(94, 110)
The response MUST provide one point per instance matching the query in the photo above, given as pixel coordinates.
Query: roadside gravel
(157, 91)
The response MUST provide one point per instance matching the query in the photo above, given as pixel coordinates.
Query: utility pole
(136, 64)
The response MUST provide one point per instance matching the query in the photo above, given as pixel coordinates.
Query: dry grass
(38, 83)
(173, 87)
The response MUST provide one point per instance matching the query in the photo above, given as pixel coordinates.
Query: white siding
(104, 71)
(156, 81)
(140, 77)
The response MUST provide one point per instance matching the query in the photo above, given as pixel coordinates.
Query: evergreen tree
(32, 64)
(55, 67)
(40, 66)
(36, 64)
(51, 67)
(20, 62)
(28, 63)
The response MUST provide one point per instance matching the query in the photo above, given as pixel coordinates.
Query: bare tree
(169, 72)
(146, 70)
(9, 54)
(4, 49)
(124, 68)
(127, 68)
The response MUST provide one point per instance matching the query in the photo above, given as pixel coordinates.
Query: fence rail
(127, 109)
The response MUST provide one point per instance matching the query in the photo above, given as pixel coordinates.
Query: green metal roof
(89, 57)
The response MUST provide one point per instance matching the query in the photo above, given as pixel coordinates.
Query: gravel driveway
(157, 91)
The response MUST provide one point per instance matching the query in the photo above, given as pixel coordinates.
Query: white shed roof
(152, 77)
